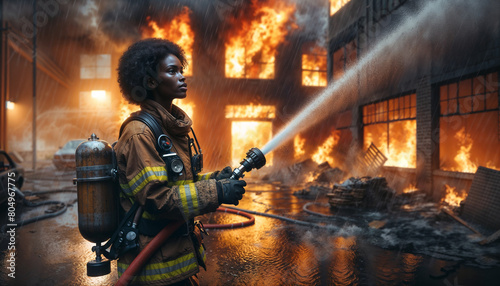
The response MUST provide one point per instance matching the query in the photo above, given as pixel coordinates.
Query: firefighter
(150, 73)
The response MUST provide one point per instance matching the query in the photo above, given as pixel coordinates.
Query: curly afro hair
(139, 63)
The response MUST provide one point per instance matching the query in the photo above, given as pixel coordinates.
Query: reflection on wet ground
(407, 250)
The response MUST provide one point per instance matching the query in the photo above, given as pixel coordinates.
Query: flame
(324, 151)
(251, 53)
(314, 67)
(310, 177)
(125, 110)
(249, 134)
(402, 150)
(178, 31)
(410, 189)
(298, 146)
(453, 198)
(251, 111)
(335, 5)
(463, 161)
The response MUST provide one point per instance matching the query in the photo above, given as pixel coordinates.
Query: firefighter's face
(170, 80)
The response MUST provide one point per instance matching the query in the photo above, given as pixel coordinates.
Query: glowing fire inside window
(251, 52)
(469, 130)
(246, 134)
(179, 31)
(335, 5)
(391, 126)
(250, 111)
(314, 67)
(401, 135)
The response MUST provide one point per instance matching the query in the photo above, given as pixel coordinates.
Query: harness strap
(147, 119)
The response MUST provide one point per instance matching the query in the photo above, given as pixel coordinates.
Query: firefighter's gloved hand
(224, 174)
(230, 191)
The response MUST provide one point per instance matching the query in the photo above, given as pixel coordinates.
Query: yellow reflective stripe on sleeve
(204, 177)
(189, 199)
(145, 176)
(163, 270)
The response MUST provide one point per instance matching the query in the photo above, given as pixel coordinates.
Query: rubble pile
(365, 192)
(293, 174)
(326, 174)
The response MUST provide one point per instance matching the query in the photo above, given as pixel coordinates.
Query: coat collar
(176, 123)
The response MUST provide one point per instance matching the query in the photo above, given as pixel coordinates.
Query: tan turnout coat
(143, 178)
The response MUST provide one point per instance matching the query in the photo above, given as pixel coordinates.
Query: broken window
(343, 58)
(391, 126)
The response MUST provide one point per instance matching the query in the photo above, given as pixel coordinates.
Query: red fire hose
(147, 252)
(165, 233)
(250, 221)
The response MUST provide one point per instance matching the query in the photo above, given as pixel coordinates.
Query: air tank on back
(98, 215)
(97, 194)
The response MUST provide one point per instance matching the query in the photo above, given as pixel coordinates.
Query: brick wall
(427, 135)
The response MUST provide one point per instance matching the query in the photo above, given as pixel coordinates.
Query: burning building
(252, 64)
(430, 104)
(431, 110)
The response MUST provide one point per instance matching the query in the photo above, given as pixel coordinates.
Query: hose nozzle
(255, 160)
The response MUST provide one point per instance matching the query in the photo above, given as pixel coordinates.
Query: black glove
(230, 191)
(224, 174)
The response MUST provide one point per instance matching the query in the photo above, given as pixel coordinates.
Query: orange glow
(335, 5)
(314, 67)
(410, 189)
(323, 154)
(298, 146)
(453, 198)
(251, 51)
(463, 161)
(310, 177)
(402, 148)
(249, 134)
(251, 111)
(178, 31)
(99, 95)
(10, 105)
(344, 261)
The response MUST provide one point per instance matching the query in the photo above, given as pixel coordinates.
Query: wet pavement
(412, 248)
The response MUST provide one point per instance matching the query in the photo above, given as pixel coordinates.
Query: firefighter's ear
(152, 83)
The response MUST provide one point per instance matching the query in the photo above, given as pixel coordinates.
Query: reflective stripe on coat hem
(180, 267)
